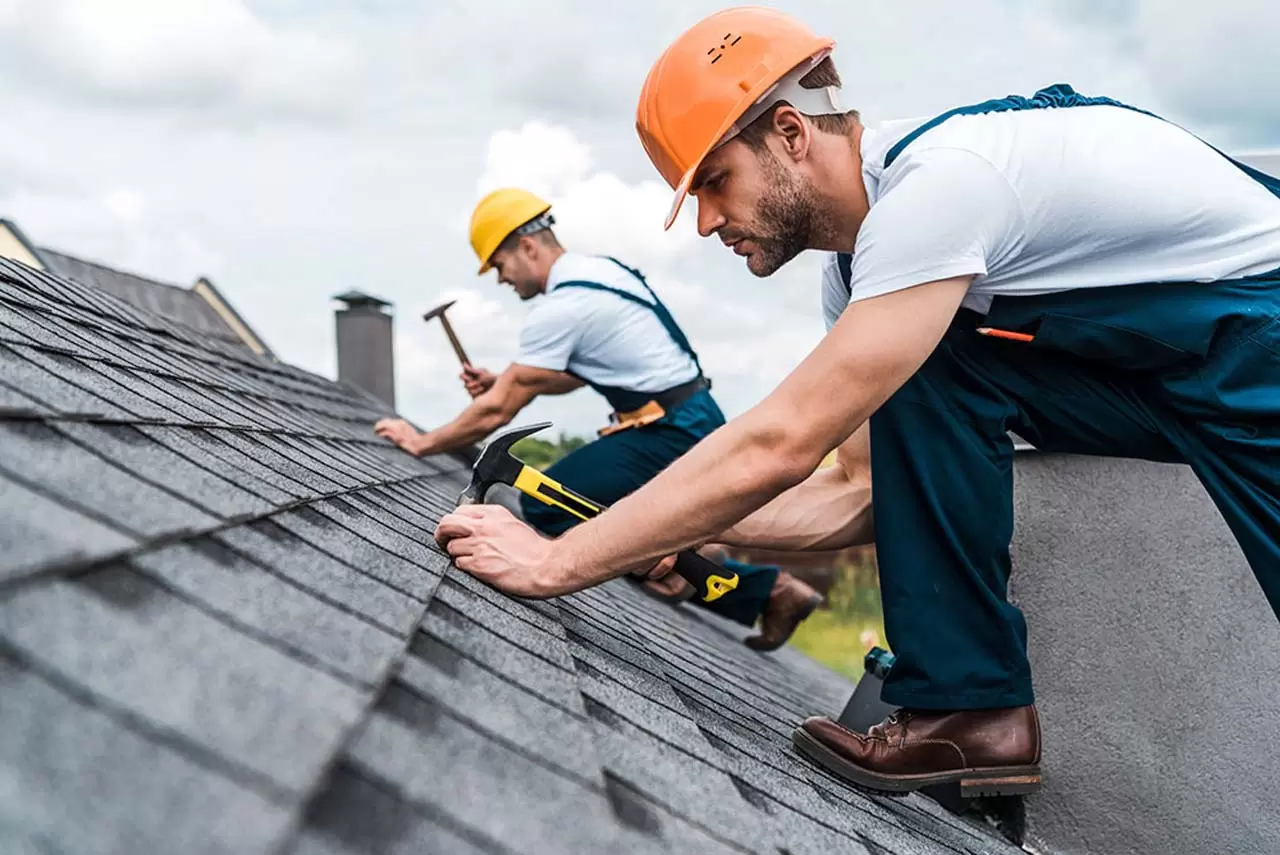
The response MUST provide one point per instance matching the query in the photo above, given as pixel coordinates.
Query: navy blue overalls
(1173, 372)
(613, 466)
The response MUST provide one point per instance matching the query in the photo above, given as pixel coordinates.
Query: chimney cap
(359, 300)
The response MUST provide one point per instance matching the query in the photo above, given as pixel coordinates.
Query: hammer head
(438, 310)
(496, 464)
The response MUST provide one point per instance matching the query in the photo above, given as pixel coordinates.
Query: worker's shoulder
(577, 269)
(1000, 135)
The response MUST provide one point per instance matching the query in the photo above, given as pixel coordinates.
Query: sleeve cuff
(547, 362)
(902, 281)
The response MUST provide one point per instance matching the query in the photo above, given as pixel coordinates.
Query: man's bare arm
(869, 353)
(487, 412)
(829, 510)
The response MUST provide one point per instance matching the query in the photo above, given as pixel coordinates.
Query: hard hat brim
(686, 180)
(814, 55)
(682, 190)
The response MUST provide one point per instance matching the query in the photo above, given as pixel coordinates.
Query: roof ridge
(104, 266)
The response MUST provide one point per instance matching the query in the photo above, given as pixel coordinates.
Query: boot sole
(973, 783)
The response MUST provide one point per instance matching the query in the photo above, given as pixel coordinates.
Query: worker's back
(581, 325)
(1083, 197)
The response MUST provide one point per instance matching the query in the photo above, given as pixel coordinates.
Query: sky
(291, 150)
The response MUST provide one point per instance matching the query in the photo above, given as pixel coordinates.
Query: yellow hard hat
(499, 214)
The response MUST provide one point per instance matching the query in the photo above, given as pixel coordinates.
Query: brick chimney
(365, 356)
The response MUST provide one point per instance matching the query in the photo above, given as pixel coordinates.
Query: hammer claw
(439, 312)
(496, 464)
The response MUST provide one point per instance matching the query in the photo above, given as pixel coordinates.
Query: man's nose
(709, 218)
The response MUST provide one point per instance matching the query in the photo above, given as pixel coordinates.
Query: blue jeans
(1171, 372)
(611, 467)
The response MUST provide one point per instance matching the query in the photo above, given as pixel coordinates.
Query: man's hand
(400, 432)
(477, 380)
(665, 567)
(488, 542)
(661, 580)
(658, 571)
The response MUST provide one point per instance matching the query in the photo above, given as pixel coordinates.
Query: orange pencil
(1012, 336)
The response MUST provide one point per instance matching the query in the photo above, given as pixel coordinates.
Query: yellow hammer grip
(710, 579)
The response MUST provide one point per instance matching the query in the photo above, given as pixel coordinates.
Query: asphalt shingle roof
(225, 627)
(170, 301)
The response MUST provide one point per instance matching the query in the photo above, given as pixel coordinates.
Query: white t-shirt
(598, 336)
(1037, 201)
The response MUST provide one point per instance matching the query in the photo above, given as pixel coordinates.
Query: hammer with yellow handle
(497, 465)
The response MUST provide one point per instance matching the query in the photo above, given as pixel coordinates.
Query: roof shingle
(225, 627)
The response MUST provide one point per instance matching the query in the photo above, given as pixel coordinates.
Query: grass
(851, 622)
(838, 641)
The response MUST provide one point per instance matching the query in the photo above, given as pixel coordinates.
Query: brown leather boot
(986, 752)
(790, 602)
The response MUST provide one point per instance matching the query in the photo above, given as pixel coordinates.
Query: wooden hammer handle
(453, 340)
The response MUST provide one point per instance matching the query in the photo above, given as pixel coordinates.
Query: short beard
(788, 210)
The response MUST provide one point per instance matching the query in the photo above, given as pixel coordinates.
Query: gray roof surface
(182, 305)
(225, 627)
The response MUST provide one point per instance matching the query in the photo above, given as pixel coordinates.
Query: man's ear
(528, 246)
(793, 132)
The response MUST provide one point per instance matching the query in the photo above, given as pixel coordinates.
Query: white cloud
(595, 210)
(177, 53)
(1237, 37)
(117, 227)
(126, 204)
(1204, 63)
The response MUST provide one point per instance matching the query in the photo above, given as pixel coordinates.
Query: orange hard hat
(709, 78)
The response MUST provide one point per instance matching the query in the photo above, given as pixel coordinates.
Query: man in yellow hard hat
(596, 322)
(1068, 268)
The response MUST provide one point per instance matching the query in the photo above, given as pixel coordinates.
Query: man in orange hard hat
(596, 322)
(1069, 268)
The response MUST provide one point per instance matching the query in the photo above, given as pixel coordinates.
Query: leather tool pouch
(646, 415)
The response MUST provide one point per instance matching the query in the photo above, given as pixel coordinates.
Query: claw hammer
(497, 465)
(439, 312)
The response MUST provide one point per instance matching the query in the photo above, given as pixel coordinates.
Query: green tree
(540, 453)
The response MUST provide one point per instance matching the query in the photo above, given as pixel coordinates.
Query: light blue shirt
(601, 337)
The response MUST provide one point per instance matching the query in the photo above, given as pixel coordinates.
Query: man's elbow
(780, 456)
(497, 420)
(491, 415)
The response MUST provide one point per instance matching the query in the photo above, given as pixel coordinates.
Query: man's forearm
(826, 511)
(829, 510)
(510, 393)
(473, 424)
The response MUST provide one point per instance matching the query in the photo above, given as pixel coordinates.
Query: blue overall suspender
(1057, 96)
(625, 400)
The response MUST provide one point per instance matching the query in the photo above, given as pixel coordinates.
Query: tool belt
(655, 408)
